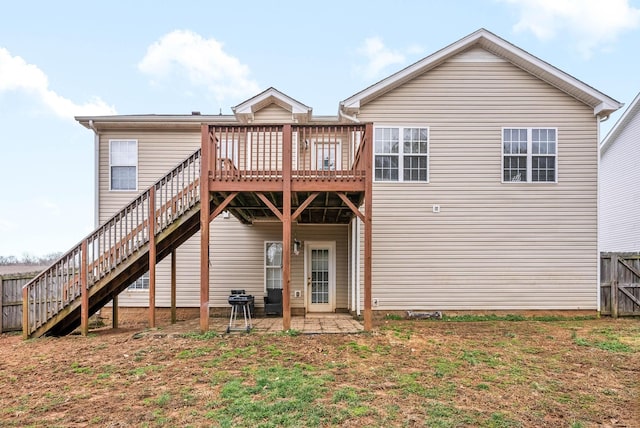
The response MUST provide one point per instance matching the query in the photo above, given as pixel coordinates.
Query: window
(273, 265)
(228, 153)
(141, 283)
(401, 154)
(326, 155)
(529, 154)
(123, 164)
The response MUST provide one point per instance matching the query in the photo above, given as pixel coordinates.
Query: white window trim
(137, 164)
(337, 143)
(264, 262)
(529, 155)
(401, 154)
(139, 290)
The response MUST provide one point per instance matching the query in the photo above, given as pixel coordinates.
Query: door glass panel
(320, 276)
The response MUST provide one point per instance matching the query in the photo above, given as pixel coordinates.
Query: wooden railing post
(204, 228)
(368, 235)
(286, 226)
(152, 257)
(614, 285)
(84, 290)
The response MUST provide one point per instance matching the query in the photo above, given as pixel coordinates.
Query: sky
(67, 58)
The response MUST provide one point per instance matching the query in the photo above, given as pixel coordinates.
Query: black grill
(240, 301)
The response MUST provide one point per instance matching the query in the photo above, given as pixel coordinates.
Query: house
(619, 219)
(464, 182)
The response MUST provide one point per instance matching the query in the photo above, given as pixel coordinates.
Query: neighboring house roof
(245, 110)
(602, 104)
(621, 124)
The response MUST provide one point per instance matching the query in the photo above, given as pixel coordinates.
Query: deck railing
(111, 244)
(254, 152)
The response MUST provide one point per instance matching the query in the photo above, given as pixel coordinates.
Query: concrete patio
(309, 324)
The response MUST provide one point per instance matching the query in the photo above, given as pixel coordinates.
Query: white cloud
(378, 57)
(18, 75)
(203, 61)
(594, 24)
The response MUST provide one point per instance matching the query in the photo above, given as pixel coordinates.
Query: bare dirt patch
(405, 373)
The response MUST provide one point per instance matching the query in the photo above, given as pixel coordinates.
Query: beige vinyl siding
(272, 113)
(493, 245)
(237, 262)
(237, 258)
(158, 153)
(237, 250)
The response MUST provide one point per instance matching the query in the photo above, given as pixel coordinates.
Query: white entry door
(320, 271)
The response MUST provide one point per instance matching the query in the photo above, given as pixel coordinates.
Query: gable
(246, 111)
(273, 113)
(471, 94)
(600, 103)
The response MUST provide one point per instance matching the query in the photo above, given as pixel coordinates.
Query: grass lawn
(435, 373)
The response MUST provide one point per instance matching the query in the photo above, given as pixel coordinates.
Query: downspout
(598, 267)
(96, 174)
(352, 261)
(346, 116)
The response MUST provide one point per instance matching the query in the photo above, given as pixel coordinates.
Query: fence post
(25, 313)
(614, 285)
(1, 294)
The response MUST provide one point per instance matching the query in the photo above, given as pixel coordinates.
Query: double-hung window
(273, 265)
(529, 154)
(401, 154)
(123, 164)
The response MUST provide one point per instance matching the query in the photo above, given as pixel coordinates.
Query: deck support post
(114, 312)
(152, 257)
(173, 286)
(286, 226)
(368, 193)
(204, 228)
(84, 291)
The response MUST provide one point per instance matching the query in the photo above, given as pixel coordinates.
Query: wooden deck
(310, 173)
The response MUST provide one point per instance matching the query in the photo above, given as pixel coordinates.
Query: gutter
(346, 116)
(96, 173)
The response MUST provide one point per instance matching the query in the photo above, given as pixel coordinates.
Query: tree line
(29, 259)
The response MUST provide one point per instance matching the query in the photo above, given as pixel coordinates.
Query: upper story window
(401, 154)
(529, 154)
(123, 164)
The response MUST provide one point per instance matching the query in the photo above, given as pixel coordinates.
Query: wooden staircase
(114, 255)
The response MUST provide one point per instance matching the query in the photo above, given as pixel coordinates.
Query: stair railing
(111, 244)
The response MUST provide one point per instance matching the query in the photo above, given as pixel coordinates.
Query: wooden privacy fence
(11, 300)
(620, 284)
